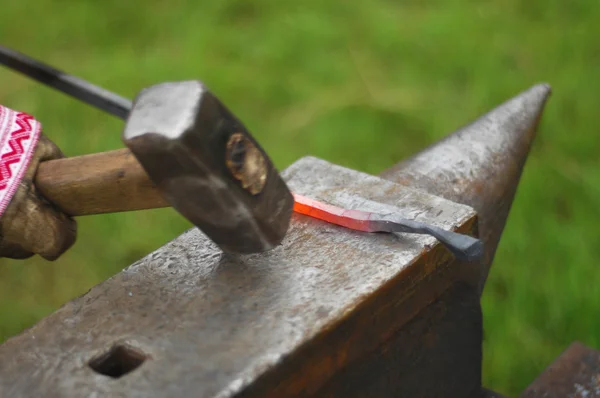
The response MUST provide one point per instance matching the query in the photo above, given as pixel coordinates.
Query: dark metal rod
(464, 247)
(74, 86)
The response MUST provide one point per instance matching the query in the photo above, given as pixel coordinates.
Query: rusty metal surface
(574, 374)
(212, 324)
(437, 354)
(480, 164)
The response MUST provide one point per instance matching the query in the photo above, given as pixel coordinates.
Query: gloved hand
(29, 224)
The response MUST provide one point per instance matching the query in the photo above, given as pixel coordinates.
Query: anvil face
(208, 166)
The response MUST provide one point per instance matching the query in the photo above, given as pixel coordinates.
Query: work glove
(29, 224)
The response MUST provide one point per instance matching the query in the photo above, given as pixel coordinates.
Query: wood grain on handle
(106, 182)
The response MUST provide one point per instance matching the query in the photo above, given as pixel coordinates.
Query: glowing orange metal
(352, 219)
(463, 246)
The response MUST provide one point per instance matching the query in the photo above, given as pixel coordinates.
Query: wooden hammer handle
(106, 182)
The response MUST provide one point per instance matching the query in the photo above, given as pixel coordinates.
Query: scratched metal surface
(211, 323)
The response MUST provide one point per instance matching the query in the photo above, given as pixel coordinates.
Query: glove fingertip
(63, 240)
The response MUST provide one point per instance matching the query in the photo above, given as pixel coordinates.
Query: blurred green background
(362, 85)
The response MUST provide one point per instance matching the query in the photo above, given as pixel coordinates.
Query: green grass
(361, 85)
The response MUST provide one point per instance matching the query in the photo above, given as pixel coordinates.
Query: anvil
(330, 312)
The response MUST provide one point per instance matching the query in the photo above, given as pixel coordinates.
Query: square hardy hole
(118, 361)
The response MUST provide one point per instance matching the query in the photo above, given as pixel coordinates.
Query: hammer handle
(106, 182)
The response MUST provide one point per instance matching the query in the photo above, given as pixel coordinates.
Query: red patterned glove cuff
(19, 134)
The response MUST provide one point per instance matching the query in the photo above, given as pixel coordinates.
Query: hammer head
(208, 166)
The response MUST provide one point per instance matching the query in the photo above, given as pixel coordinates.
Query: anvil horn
(480, 165)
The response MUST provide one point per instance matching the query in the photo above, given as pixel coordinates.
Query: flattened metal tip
(464, 247)
(480, 165)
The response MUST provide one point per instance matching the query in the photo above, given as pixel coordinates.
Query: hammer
(185, 150)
